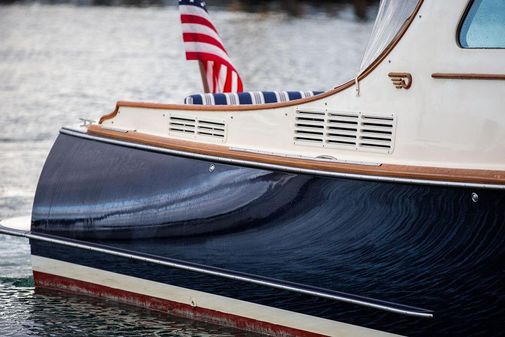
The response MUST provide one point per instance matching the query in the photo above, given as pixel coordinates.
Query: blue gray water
(59, 63)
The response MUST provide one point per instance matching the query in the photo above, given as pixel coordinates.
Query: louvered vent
(349, 130)
(342, 129)
(190, 127)
(210, 128)
(377, 132)
(309, 127)
(181, 125)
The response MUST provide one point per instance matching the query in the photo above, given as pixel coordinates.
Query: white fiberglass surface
(391, 17)
(21, 223)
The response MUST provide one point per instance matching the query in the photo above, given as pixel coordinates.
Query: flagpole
(204, 77)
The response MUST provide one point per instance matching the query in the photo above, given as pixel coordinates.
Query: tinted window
(484, 25)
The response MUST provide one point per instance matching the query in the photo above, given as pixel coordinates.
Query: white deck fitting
(21, 223)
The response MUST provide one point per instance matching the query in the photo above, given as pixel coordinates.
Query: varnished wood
(189, 107)
(401, 80)
(469, 76)
(252, 107)
(386, 170)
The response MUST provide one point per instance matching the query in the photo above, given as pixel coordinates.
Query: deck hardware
(401, 80)
(475, 197)
(327, 158)
(86, 122)
(212, 167)
(193, 302)
(318, 158)
(122, 130)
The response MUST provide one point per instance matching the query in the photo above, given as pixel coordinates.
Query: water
(59, 63)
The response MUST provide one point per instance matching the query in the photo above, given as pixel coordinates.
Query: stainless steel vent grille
(348, 130)
(198, 128)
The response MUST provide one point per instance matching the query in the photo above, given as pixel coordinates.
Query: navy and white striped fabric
(251, 97)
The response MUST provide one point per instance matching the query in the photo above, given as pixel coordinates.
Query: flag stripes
(202, 43)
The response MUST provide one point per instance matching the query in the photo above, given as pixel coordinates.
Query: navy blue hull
(424, 246)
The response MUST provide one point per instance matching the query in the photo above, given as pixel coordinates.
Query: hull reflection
(415, 245)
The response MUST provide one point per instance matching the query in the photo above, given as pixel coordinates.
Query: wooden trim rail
(331, 92)
(384, 170)
(252, 107)
(469, 76)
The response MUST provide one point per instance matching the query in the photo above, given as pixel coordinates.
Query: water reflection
(60, 62)
(41, 312)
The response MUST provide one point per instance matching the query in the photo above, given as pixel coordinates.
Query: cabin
(428, 100)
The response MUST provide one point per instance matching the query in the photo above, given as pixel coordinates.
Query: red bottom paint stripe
(43, 280)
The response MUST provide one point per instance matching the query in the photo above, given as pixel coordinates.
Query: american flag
(202, 43)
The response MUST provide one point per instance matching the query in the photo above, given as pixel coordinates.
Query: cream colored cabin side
(425, 102)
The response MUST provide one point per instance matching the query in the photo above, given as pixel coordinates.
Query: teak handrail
(385, 170)
(469, 76)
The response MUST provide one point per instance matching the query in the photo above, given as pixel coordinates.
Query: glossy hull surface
(416, 245)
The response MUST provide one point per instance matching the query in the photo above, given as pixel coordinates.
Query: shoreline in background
(295, 8)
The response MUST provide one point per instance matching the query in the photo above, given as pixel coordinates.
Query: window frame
(460, 27)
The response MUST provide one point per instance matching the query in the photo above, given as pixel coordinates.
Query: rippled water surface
(59, 63)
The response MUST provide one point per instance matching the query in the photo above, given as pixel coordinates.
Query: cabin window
(484, 25)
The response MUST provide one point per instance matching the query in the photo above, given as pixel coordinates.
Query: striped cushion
(251, 97)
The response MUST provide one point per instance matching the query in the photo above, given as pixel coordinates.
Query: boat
(373, 209)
